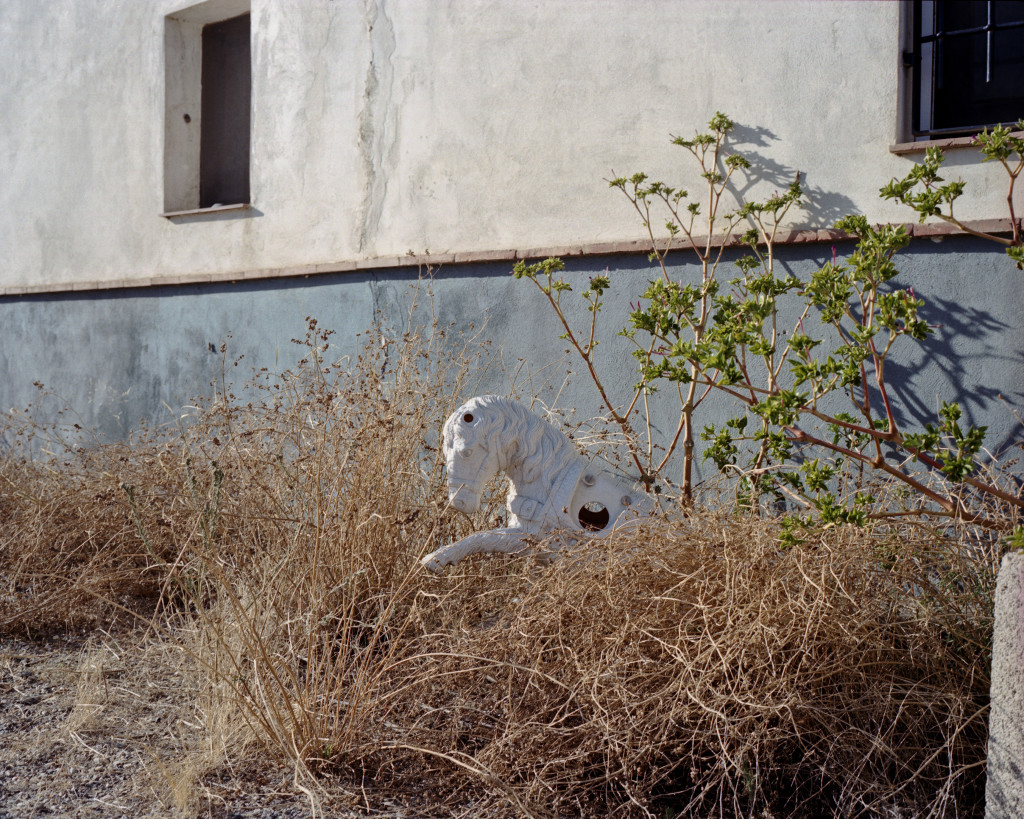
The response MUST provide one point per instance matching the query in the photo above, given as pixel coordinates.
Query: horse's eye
(468, 418)
(467, 453)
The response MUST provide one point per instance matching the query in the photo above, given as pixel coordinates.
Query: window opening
(207, 103)
(968, 66)
(224, 132)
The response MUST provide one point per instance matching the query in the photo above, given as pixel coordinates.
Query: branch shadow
(941, 368)
(822, 208)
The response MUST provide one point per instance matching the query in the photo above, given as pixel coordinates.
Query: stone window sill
(204, 211)
(945, 144)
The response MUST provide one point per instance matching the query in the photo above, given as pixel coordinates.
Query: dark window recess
(968, 66)
(224, 137)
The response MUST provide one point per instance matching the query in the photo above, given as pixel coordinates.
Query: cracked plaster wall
(388, 127)
(383, 127)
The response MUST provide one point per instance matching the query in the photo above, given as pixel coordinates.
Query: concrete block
(1004, 792)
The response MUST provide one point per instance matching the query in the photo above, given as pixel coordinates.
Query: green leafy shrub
(793, 439)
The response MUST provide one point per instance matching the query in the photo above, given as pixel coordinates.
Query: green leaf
(1015, 540)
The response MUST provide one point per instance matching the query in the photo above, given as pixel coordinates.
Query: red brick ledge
(435, 260)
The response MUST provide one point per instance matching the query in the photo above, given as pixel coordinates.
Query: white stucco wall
(405, 126)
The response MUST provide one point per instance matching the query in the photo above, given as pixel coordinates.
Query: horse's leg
(493, 540)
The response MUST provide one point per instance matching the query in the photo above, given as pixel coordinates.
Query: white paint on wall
(387, 127)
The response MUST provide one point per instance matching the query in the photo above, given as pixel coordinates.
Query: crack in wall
(318, 100)
(384, 304)
(376, 120)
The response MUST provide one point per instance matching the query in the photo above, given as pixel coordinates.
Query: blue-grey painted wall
(117, 357)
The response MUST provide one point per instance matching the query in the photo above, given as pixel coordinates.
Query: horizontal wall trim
(435, 260)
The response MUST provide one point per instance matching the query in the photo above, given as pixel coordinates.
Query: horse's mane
(520, 435)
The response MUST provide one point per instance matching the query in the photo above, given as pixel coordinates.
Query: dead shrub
(697, 666)
(692, 666)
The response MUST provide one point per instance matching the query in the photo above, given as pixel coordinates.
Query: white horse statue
(553, 485)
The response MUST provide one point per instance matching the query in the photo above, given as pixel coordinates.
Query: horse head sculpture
(552, 485)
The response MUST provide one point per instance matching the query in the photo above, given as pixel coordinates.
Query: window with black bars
(968, 66)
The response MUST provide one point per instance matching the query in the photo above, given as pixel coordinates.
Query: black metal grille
(968, 65)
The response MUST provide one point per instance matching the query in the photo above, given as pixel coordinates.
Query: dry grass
(692, 666)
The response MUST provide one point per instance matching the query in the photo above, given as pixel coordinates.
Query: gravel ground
(95, 727)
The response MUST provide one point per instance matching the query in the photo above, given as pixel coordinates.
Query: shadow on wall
(822, 208)
(963, 349)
